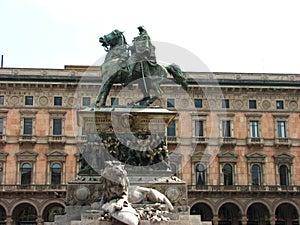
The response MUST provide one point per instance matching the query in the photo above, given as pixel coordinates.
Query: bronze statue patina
(137, 63)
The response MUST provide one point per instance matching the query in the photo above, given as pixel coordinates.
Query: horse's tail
(177, 74)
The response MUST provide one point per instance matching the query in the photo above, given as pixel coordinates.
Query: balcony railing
(200, 140)
(172, 139)
(244, 188)
(33, 187)
(227, 141)
(258, 141)
(57, 139)
(282, 142)
(27, 139)
(2, 138)
(81, 139)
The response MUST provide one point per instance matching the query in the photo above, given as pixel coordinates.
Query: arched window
(26, 170)
(284, 175)
(228, 176)
(200, 174)
(56, 173)
(256, 175)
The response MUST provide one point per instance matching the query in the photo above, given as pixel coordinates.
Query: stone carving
(115, 203)
(137, 63)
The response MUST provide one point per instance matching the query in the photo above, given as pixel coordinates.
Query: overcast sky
(227, 36)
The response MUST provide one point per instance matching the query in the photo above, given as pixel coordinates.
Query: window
(57, 126)
(27, 126)
(256, 175)
(28, 100)
(114, 101)
(279, 104)
(228, 176)
(226, 128)
(171, 130)
(281, 129)
(284, 175)
(253, 129)
(200, 174)
(252, 104)
(86, 101)
(225, 104)
(199, 131)
(198, 103)
(1, 100)
(26, 170)
(55, 173)
(1, 126)
(170, 102)
(57, 101)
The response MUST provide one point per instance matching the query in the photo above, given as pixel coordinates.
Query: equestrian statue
(124, 64)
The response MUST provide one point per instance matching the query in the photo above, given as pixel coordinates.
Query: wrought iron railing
(32, 187)
(244, 188)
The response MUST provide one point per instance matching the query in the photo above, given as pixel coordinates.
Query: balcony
(244, 188)
(255, 141)
(27, 139)
(200, 140)
(172, 140)
(33, 187)
(2, 138)
(57, 139)
(282, 142)
(227, 141)
(81, 139)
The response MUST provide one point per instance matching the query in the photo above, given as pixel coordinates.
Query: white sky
(227, 35)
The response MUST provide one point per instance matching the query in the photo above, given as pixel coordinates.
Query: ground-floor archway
(25, 214)
(203, 210)
(2, 216)
(51, 211)
(229, 214)
(286, 214)
(258, 214)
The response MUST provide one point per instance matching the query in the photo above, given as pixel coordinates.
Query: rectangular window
(281, 131)
(252, 104)
(58, 101)
(225, 104)
(226, 128)
(28, 100)
(86, 101)
(57, 126)
(199, 131)
(198, 103)
(27, 126)
(171, 130)
(170, 102)
(114, 101)
(1, 126)
(253, 128)
(279, 104)
(1, 100)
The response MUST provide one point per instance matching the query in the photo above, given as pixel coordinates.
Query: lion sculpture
(118, 195)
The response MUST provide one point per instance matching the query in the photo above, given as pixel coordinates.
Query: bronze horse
(124, 65)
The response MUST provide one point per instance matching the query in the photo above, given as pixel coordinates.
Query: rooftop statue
(125, 64)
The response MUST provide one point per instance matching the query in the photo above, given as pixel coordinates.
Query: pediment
(56, 155)
(283, 157)
(255, 155)
(228, 157)
(3, 156)
(200, 156)
(26, 155)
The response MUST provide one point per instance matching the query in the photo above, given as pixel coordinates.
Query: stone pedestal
(136, 137)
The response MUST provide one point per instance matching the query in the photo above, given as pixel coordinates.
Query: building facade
(235, 141)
